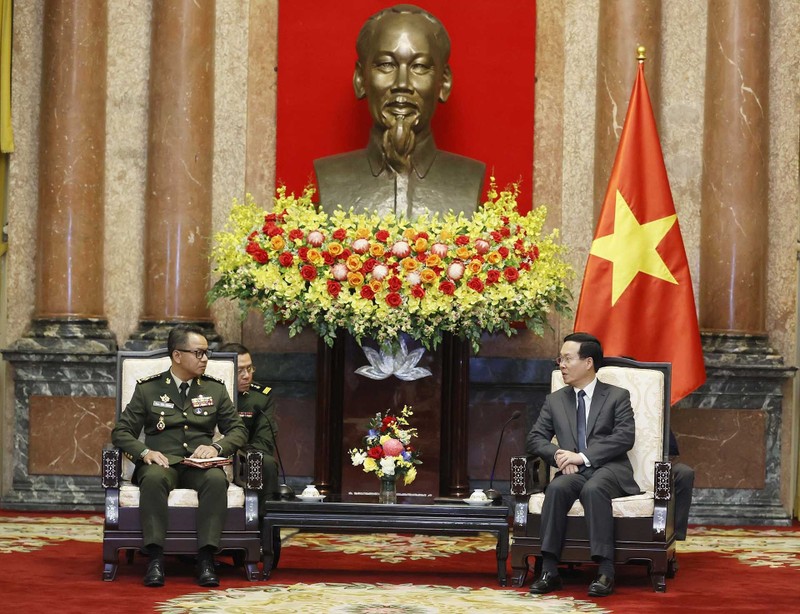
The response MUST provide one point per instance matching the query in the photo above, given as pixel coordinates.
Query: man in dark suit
(593, 423)
(179, 410)
(257, 411)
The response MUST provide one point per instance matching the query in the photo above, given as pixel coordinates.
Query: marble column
(180, 154)
(69, 313)
(623, 25)
(735, 182)
(740, 406)
(63, 367)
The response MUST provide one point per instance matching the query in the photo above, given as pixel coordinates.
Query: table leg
(270, 547)
(502, 555)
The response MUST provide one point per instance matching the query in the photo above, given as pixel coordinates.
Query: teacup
(310, 491)
(477, 495)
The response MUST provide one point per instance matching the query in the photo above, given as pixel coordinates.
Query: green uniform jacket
(175, 429)
(257, 411)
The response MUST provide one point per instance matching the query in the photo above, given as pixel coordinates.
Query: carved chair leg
(672, 567)
(253, 572)
(659, 582)
(109, 571)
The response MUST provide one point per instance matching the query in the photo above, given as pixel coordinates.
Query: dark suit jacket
(257, 411)
(610, 432)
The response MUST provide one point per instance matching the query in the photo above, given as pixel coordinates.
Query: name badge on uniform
(245, 414)
(163, 404)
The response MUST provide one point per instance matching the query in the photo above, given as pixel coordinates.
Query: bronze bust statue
(403, 71)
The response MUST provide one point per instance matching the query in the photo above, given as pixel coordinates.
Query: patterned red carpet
(52, 562)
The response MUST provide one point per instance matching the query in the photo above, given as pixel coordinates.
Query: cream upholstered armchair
(643, 524)
(122, 528)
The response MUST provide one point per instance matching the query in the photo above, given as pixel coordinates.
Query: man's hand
(565, 459)
(154, 457)
(205, 452)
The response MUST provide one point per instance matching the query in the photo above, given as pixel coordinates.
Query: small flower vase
(388, 493)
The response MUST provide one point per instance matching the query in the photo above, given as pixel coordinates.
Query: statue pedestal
(346, 401)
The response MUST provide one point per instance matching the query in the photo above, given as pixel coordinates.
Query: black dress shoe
(206, 576)
(155, 573)
(602, 586)
(546, 584)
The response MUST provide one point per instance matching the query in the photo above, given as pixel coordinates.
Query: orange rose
(375, 285)
(494, 258)
(420, 245)
(376, 250)
(354, 263)
(277, 243)
(433, 260)
(362, 233)
(335, 249)
(463, 253)
(409, 233)
(409, 264)
(355, 279)
(474, 266)
(427, 276)
(445, 235)
(314, 256)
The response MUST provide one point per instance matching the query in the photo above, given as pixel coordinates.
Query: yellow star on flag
(632, 248)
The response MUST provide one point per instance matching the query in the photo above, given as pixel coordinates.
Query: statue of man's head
(402, 70)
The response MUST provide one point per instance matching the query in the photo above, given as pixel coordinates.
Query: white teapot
(478, 495)
(310, 491)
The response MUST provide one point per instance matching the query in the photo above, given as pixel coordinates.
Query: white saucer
(478, 502)
(311, 498)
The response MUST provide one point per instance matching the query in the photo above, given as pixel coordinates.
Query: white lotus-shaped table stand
(402, 364)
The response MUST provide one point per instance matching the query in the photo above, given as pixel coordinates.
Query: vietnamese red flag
(637, 293)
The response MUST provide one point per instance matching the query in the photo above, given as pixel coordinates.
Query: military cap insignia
(149, 378)
(254, 386)
(165, 397)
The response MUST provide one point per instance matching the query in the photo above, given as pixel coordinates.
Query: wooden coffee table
(363, 514)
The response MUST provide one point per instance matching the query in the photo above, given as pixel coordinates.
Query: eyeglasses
(243, 371)
(565, 359)
(198, 354)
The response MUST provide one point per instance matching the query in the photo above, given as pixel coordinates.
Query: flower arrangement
(378, 277)
(387, 447)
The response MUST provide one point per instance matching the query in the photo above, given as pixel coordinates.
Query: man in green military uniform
(257, 411)
(179, 410)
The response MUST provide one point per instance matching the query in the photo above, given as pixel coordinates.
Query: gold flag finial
(640, 54)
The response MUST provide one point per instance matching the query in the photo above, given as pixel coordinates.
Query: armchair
(643, 524)
(122, 528)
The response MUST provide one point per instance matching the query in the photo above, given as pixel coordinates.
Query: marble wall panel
(726, 447)
(67, 434)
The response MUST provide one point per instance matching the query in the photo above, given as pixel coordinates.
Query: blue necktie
(581, 421)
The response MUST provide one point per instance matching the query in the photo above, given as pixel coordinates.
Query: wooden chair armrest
(112, 467)
(249, 469)
(529, 475)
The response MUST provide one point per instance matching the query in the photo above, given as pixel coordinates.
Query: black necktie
(581, 421)
(184, 388)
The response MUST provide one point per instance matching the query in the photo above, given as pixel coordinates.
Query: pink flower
(316, 238)
(360, 246)
(482, 246)
(455, 271)
(392, 447)
(380, 271)
(401, 249)
(440, 249)
(339, 271)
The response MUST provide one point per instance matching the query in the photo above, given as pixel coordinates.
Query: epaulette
(211, 377)
(142, 380)
(260, 388)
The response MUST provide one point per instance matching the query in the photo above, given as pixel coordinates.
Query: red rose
(447, 287)
(382, 236)
(327, 258)
(367, 293)
(252, 235)
(476, 284)
(286, 259)
(534, 253)
(375, 452)
(345, 254)
(334, 287)
(503, 251)
(519, 246)
(493, 276)
(496, 236)
(524, 266)
(388, 421)
(271, 217)
(340, 234)
(505, 219)
(505, 231)
(393, 299)
(395, 283)
(422, 235)
(261, 256)
(295, 233)
(302, 253)
(273, 231)
(308, 272)
(511, 274)
(418, 292)
(462, 240)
